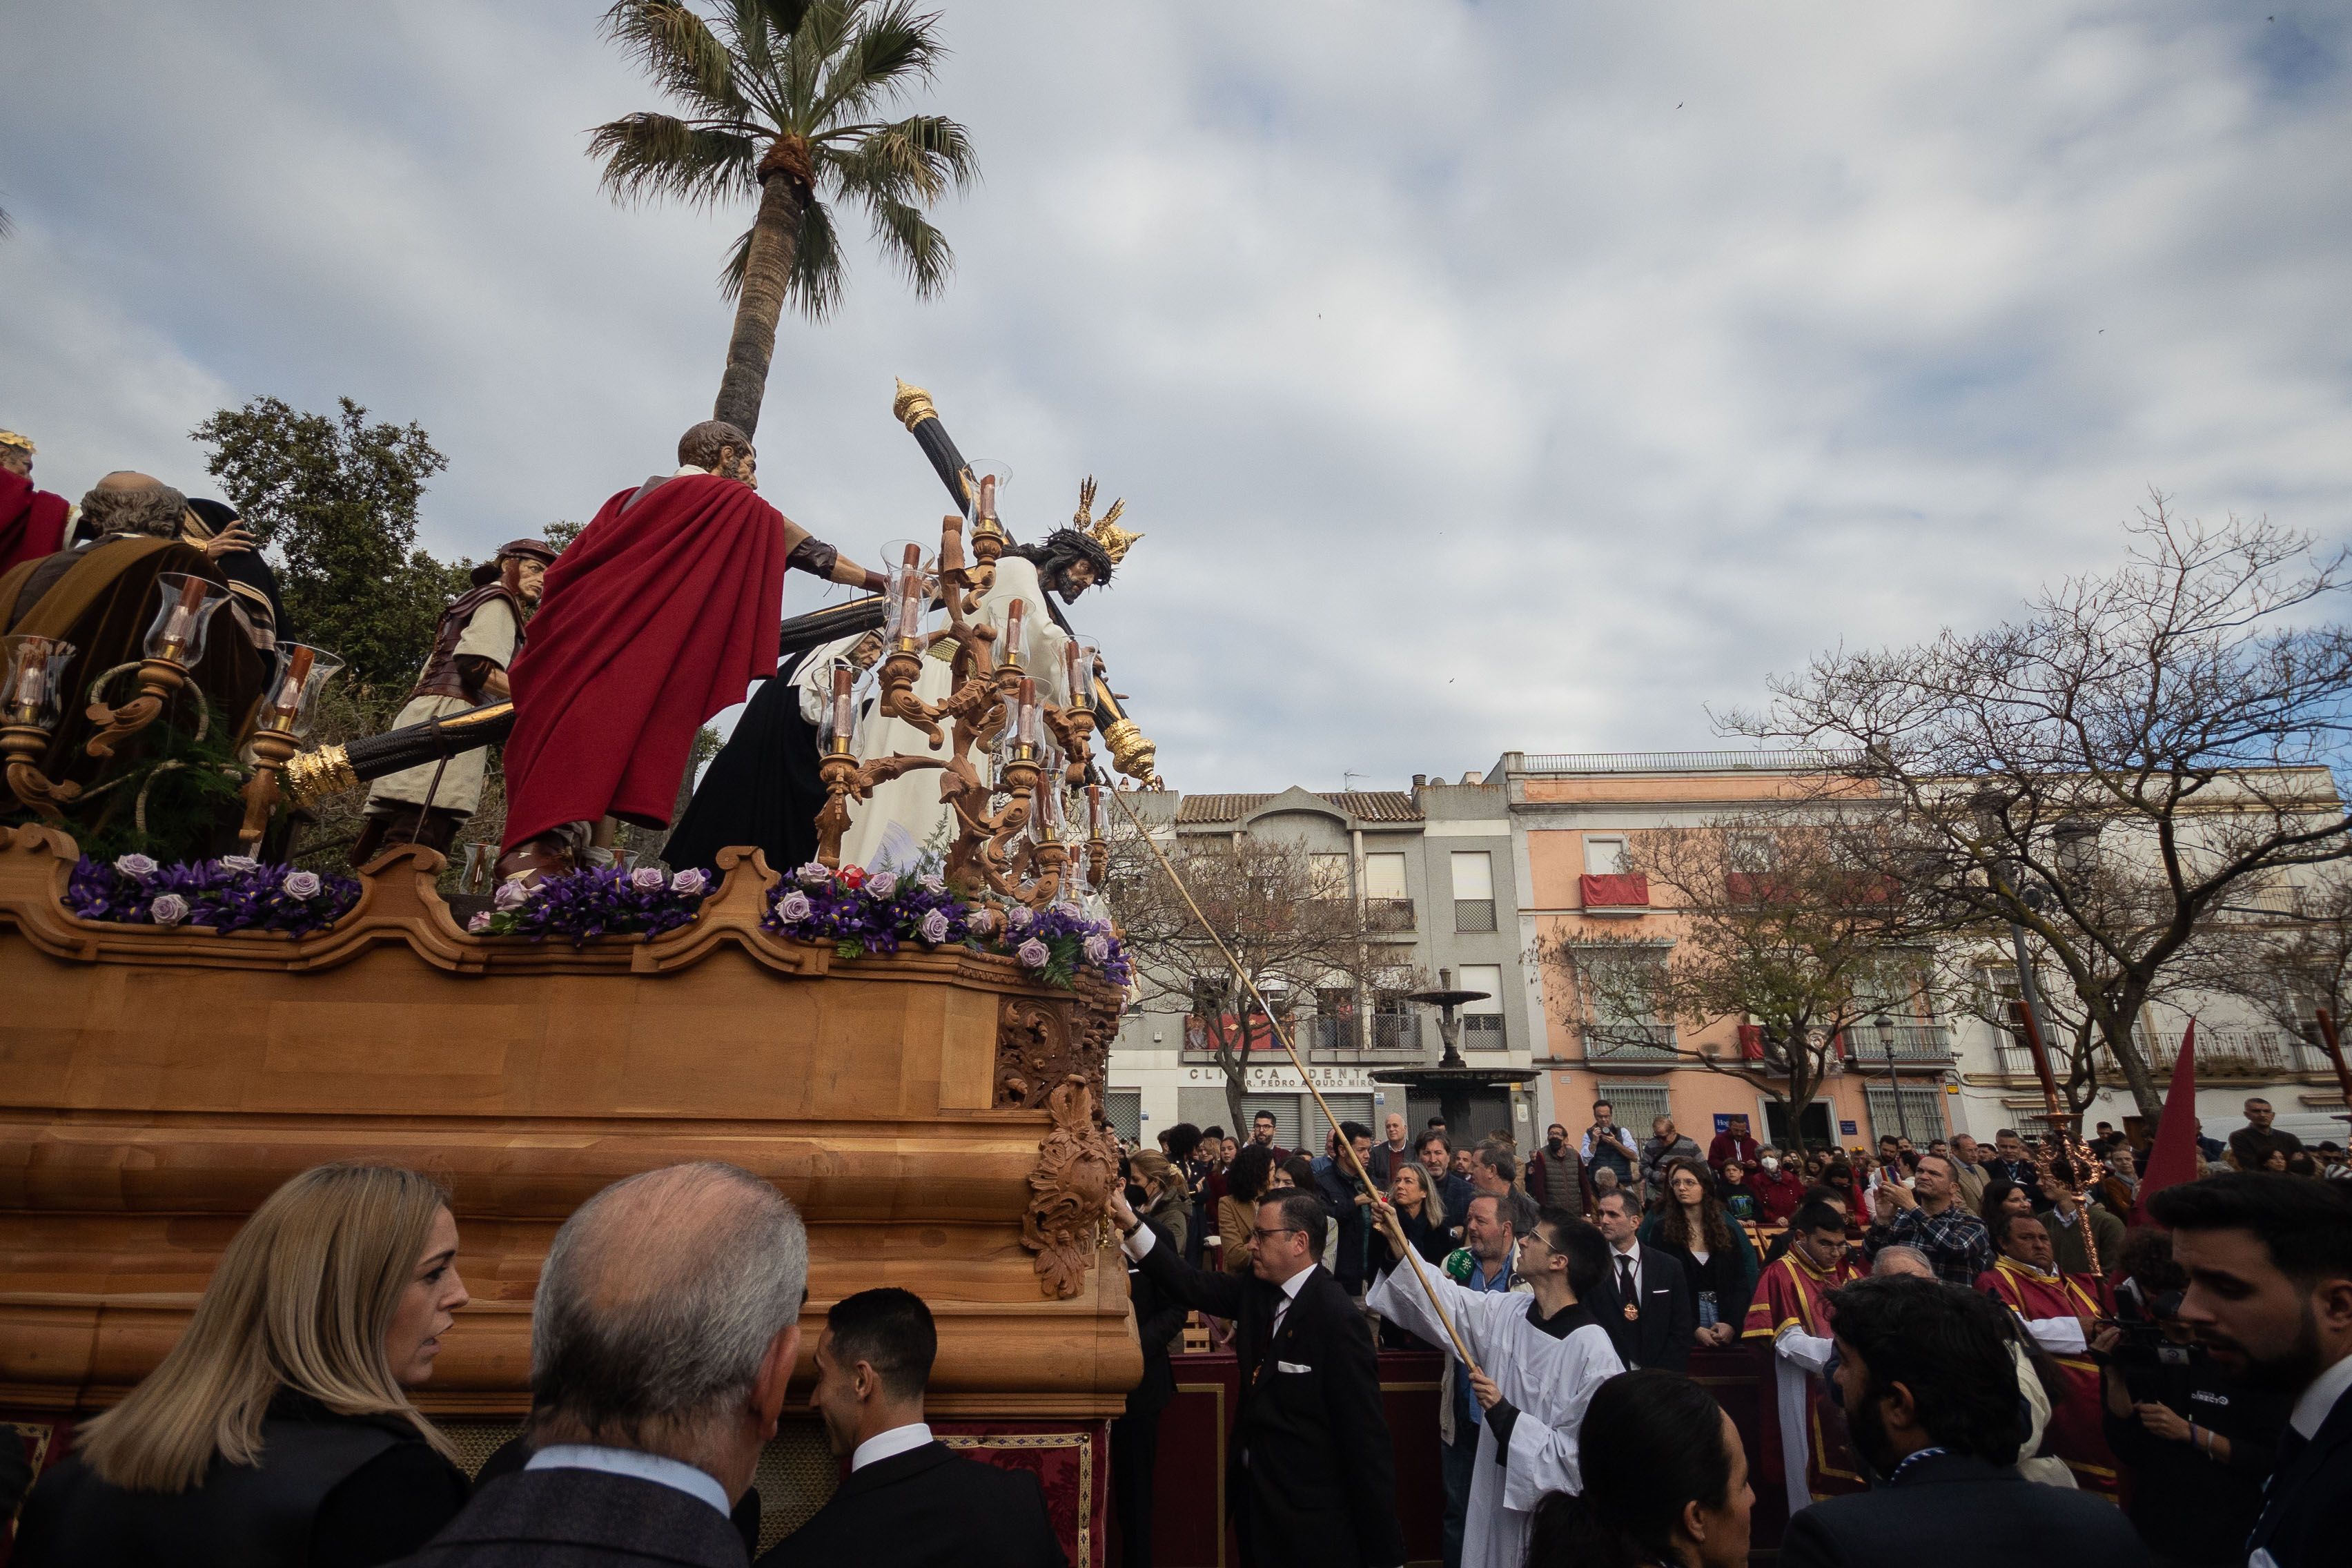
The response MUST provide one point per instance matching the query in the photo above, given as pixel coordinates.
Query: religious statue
(473, 646)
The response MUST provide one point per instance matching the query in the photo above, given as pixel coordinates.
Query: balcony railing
(1474, 914)
(1912, 1043)
(2240, 1054)
(1628, 1042)
(1388, 914)
(1482, 1032)
(1396, 1031)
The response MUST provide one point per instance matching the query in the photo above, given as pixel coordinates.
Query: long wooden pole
(1346, 1145)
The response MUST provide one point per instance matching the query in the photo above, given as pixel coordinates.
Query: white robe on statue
(1548, 1380)
(906, 815)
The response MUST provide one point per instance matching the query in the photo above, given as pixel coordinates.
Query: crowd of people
(1945, 1386)
(2117, 1378)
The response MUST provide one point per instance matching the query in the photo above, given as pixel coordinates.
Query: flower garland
(858, 912)
(601, 900)
(234, 892)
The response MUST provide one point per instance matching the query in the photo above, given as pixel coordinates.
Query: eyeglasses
(1260, 1233)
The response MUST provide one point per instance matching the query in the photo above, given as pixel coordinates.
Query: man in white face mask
(1777, 1186)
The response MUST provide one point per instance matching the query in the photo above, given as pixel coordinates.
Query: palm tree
(782, 98)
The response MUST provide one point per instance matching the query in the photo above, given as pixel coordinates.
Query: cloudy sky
(1486, 376)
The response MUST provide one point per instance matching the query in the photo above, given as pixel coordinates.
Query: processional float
(933, 1110)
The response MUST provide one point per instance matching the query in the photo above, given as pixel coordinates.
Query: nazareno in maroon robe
(656, 618)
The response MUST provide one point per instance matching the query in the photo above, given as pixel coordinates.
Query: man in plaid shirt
(1930, 1216)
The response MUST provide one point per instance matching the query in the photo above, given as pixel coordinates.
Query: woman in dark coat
(1722, 1265)
(1420, 1214)
(277, 1431)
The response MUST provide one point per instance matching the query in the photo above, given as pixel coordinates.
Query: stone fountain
(1452, 1080)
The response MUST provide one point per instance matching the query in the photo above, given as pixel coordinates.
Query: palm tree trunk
(775, 238)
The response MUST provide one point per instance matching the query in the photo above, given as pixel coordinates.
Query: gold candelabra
(995, 703)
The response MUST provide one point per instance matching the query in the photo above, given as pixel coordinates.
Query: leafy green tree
(334, 498)
(781, 99)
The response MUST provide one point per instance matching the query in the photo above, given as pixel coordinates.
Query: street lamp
(1885, 1028)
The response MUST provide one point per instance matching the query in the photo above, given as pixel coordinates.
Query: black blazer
(509, 1457)
(1310, 1459)
(336, 1491)
(1158, 1320)
(1662, 1335)
(2309, 1502)
(1956, 1510)
(929, 1508)
(583, 1519)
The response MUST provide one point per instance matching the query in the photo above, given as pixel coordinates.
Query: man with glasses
(1311, 1477)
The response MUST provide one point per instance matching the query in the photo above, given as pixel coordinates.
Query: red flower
(851, 876)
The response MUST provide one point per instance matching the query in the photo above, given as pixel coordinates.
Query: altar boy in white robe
(1539, 1356)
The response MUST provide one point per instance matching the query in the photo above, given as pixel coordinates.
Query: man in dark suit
(1930, 1396)
(1311, 1479)
(909, 1500)
(1654, 1279)
(2270, 1294)
(664, 1330)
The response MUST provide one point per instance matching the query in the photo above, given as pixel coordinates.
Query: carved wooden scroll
(1077, 1166)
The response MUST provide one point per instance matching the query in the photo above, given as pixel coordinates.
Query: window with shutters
(1327, 877)
(1481, 1021)
(1919, 1117)
(1473, 890)
(1604, 856)
(1386, 905)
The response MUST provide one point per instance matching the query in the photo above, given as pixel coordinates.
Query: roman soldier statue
(32, 521)
(475, 643)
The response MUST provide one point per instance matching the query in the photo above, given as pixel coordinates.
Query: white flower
(794, 906)
(1032, 953)
(168, 910)
(302, 884)
(688, 882)
(135, 866)
(934, 929)
(1097, 948)
(647, 877)
(239, 863)
(511, 895)
(479, 923)
(882, 884)
(980, 923)
(813, 875)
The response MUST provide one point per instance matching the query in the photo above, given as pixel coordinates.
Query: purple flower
(932, 882)
(135, 866)
(168, 910)
(690, 882)
(980, 923)
(648, 878)
(882, 884)
(302, 884)
(1097, 948)
(813, 875)
(511, 895)
(794, 906)
(1032, 953)
(934, 929)
(479, 923)
(1018, 917)
(244, 863)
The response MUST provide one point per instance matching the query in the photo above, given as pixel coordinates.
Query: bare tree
(1292, 936)
(2287, 956)
(1785, 923)
(2105, 772)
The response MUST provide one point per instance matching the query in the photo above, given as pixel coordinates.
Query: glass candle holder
(1013, 647)
(1078, 673)
(907, 589)
(184, 608)
(990, 480)
(291, 706)
(34, 692)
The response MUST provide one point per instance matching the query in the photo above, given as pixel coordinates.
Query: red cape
(655, 619)
(32, 523)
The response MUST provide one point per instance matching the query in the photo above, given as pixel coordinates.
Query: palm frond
(731, 276)
(678, 50)
(908, 237)
(894, 48)
(647, 155)
(919, 157)
(814, 283)
(824, 30)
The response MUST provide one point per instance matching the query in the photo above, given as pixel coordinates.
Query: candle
(1028, 709)
(844, 713)
(910, 594)
(182, 623)
(1093, 811)
(1073, 660)
(1012, 643)
(987, 512)
(290, 691)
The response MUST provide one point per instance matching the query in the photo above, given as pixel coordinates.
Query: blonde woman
(1167, 1202)
(278, 1429)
